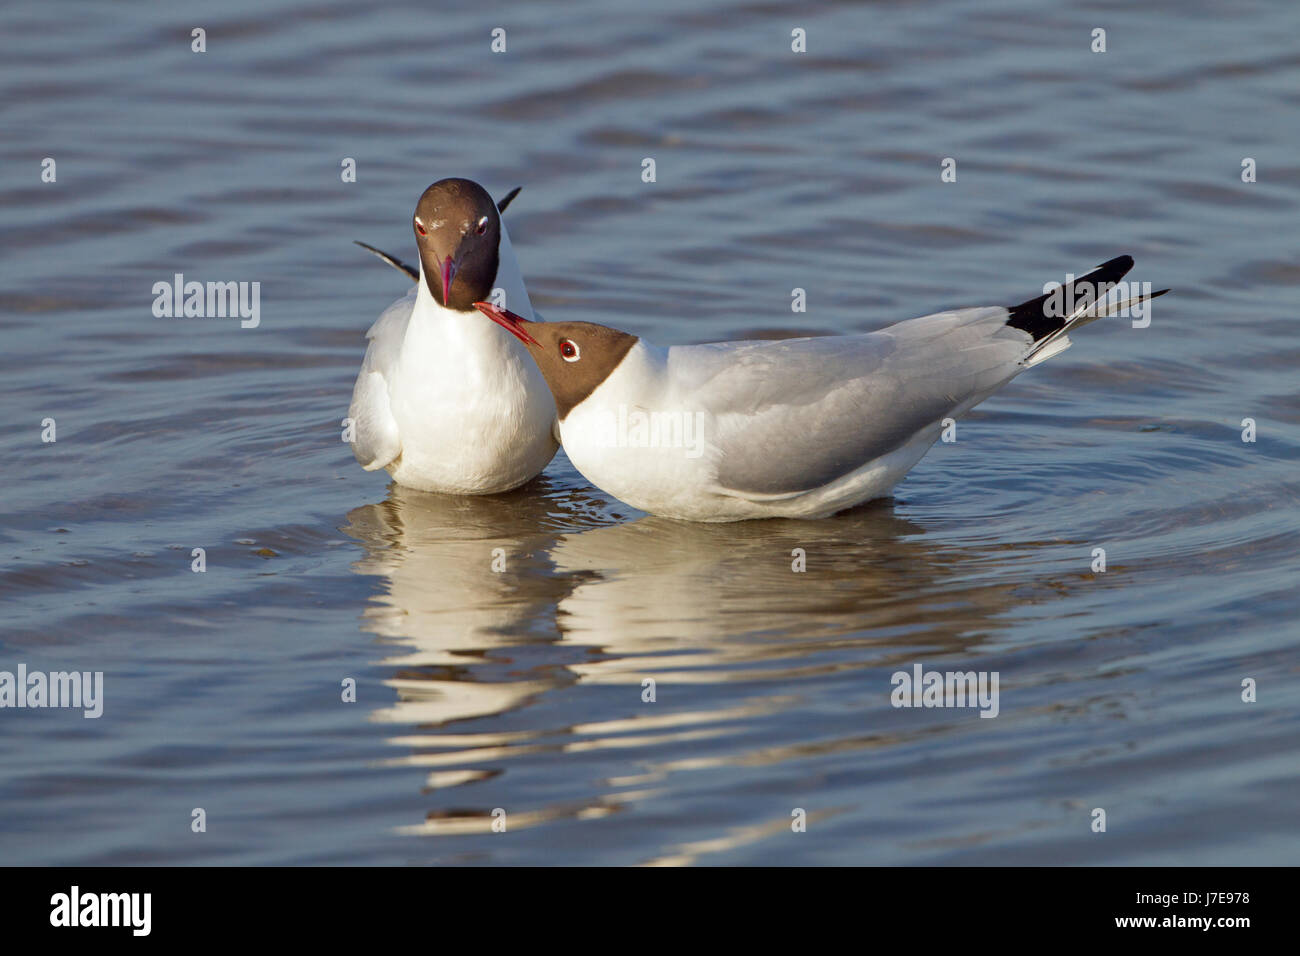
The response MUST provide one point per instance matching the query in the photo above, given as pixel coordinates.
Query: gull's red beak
(448, 277)
(514, 324)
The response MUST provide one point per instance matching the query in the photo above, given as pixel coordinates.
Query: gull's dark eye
(419, 227)
(482, 226)
(569, 350)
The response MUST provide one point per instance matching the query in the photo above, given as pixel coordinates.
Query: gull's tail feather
(1100, 310)
(1049, 325)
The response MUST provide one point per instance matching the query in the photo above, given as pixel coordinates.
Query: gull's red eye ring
(482, 226)
(569, 350)
(419, 227)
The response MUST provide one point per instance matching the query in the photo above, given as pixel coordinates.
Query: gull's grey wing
(794, 415)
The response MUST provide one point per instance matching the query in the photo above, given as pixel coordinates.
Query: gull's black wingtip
(393, 261)
(1120, 264)
(1039, 320)
(507, 199)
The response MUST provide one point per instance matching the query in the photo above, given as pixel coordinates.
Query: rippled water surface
(522, 690)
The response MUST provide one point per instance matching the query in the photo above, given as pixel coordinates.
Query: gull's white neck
(467, 347)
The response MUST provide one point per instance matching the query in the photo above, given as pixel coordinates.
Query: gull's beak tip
(512, 323)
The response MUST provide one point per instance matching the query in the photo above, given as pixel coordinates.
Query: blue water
(522, 691)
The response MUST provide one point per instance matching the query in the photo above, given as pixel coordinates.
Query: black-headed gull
(445, 401)
(798, 428)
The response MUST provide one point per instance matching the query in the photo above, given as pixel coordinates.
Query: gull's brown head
(575, 357)
(458, 231)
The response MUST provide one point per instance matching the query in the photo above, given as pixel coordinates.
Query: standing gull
(445, 401)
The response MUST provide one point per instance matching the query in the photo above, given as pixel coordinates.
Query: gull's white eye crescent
(482, 226)
(569, 350)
